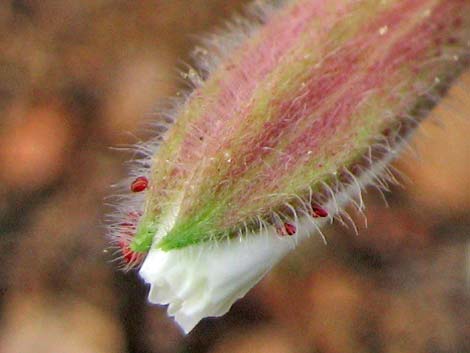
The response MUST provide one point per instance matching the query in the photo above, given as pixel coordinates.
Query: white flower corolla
(204, 280)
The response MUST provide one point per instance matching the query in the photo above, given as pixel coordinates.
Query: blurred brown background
(77, 77)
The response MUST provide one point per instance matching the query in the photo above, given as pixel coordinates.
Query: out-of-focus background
(78, 77)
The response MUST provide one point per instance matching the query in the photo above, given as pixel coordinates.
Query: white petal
(206, 279)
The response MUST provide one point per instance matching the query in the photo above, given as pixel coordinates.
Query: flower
(206, 279)
(288, 121)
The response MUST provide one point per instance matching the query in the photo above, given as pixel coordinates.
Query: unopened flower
(291, 115)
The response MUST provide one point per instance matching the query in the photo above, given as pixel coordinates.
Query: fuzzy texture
(206, 279)
(291, 115)
(297, 105)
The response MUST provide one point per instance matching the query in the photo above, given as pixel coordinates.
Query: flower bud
(289, 119)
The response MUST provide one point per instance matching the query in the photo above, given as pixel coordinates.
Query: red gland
(139, 184)
(318, 211)
(287, 229)
(128, 255)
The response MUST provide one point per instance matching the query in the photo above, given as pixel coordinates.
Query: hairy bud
(290, 117)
